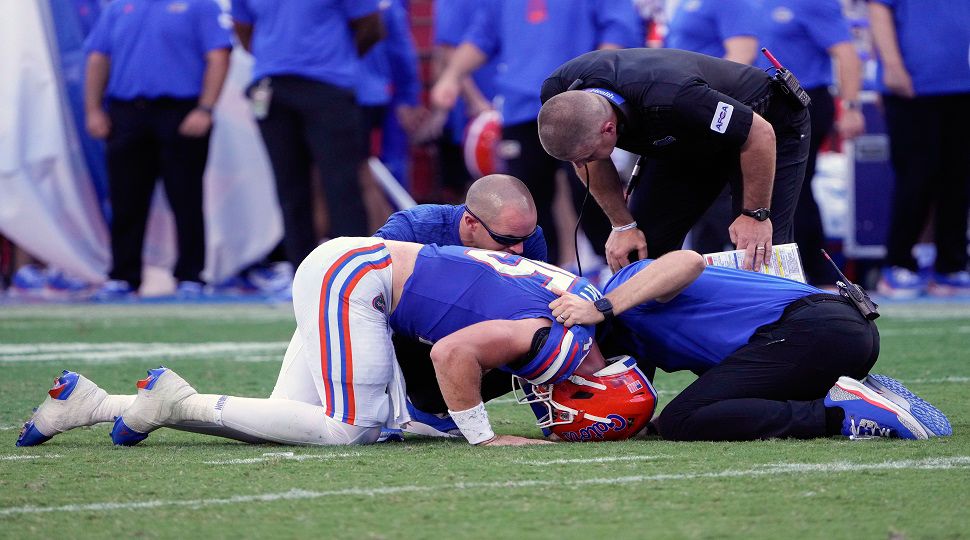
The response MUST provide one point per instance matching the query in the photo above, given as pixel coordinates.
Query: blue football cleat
(433, 425)
(70, 403)
(868, 414)
(390, 435)
(159, 395)
(930, 417)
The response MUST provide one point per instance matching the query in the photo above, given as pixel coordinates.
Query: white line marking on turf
(281, 456)
(588, 460)
(300, 494)
(23, 457)
(940, 380)
(924, 331)
(119, 351)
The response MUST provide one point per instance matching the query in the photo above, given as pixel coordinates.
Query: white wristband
(473, 424)
(626, 227)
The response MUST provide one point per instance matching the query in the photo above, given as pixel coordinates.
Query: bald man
(499, 214)
(699, 123)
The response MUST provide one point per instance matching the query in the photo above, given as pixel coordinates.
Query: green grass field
(178, 484)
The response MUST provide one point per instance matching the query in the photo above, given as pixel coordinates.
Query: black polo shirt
(680, 103)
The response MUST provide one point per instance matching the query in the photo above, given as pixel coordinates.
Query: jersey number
(515, 266)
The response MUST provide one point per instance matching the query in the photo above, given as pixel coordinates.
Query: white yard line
(282, 456)
(147, 312)
(932, 331)
(587, 460)
(26, 457)
(254, 351)
(961, 462)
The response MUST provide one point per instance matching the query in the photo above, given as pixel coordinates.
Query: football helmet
(482, 137)
(613, 404)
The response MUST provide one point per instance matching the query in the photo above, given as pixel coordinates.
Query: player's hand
(898, 81)
(851, 124)
(570, 309)
(621, 243)
(98, 124)
(754, 237)
(512, 440)
(445, 92)
(196, 124)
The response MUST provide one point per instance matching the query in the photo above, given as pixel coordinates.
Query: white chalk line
(27, 457)
(300, 494)
(253, 351)
(924, 331)
(145, 312)
(282, 456)
(611, 459)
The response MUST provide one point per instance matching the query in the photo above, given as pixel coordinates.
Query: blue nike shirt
(703, 25)
(157, 48)
(438, 224)
(799, 33)
(713, 317)
(390, 68)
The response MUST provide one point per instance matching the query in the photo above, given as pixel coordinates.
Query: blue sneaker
(70, 403)
(929, 416)
(900, 283)
(189, 290)
(868, 414)
(114, 290)
(953, 284)
(390, 435)
(60, 285)
(433, 425)
(159, 396)
(28, 281)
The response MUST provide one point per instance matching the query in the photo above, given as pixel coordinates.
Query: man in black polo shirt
(699, 122)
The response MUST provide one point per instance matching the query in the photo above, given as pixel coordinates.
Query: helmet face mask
(615, 403)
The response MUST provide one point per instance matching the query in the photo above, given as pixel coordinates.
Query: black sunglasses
(503, 239)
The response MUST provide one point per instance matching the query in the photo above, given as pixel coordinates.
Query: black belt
(817, 298)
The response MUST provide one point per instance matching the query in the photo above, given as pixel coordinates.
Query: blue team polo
(703, 25)
(934, 39)
(390, 68)
(157, 47)
(438, 224)
(310, 39)
(799, 33)
(451, 21)
(713, 317)
(532, 38)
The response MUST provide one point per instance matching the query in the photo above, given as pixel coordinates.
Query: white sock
(110, 407)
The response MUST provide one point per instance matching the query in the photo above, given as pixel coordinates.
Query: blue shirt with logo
(307, 39)
(390, 69)
(531, 38)
(703, 25)
(451, 22)
(453, 287)
(934, 40)
(713, 317)
(157, 48)
(799, 34)
(438, 224)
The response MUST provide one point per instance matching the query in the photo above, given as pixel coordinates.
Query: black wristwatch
(760, 214)
(604, 306)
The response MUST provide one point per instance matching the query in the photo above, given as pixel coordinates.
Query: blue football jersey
(454, 286)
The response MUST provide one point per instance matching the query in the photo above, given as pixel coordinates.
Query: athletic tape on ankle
(474, 424)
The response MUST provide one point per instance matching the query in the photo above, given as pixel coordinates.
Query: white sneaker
(158, 396)
(70, 403)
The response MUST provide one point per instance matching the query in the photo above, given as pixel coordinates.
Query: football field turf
(183, 485)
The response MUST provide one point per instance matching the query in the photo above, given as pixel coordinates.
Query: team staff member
(774, 357)
(807, 35)
(498, 214)
(306, 67)
(161, 65)
(926, 92)
(510, 30)
(700, 123)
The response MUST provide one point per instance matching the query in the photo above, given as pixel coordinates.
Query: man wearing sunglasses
(499, 214)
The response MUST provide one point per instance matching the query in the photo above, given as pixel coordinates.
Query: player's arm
(368, 30)
(98, 69)
(459, 360)
(661, 280)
